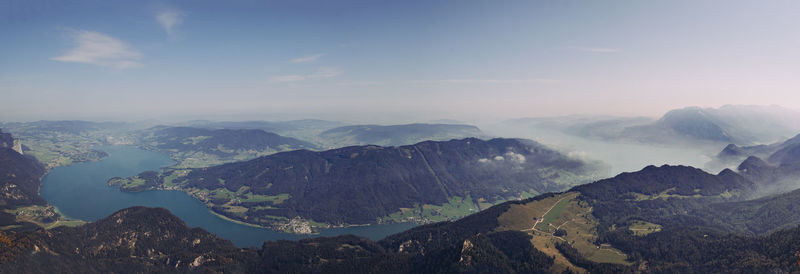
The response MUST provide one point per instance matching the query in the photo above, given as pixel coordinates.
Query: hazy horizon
(411, 61)
(351, 118)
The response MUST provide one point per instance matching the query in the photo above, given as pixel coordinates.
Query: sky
(391, 61)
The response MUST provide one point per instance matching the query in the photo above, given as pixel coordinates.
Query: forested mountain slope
(369, 184)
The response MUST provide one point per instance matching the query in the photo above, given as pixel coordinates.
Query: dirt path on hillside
(541, 219)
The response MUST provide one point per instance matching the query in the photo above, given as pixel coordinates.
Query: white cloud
(306, 59)
(100, 49)
(516, 157)
(319, 74)
(511, 156)
(596, 49)
(170, 19)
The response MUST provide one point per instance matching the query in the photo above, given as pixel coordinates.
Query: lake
(80, 191)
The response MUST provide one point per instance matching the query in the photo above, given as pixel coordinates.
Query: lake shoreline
(80, 191)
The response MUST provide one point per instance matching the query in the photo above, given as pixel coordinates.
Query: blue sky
(387, 61)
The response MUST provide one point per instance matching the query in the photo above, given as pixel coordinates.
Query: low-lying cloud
(510, 156)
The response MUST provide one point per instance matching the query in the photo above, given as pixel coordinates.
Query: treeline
(703, 250)
(152, 240)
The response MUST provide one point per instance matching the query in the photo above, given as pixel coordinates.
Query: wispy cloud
(306, 59)
(597, 49)
(500, 81)
(170, 19)
(319, 74)
(100, 49)
(360, 83)
(458, 81)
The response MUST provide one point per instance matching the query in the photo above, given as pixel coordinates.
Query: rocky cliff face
(17, 146)
(19, 175)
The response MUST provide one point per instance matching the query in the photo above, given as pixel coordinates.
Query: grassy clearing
(608, 256)
(522, 217)
(235, 209)
(255, 198)
(666, 194)
(221, 193)
(456, 207)
(67, 223)
(560, 263)
(43, 216)
(663, 195)
(551, 220)
(565, 212)
(127, 182)
(234, 221)
(246, 197)
(170, 180)
(642, 228)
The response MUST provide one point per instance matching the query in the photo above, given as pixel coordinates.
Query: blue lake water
(80, 191)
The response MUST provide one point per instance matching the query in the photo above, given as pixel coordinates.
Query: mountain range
(397, 135)
(659, 219)
(676, 219)
(372, 184)
(738, 124)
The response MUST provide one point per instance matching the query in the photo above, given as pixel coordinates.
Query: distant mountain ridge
(306, 129)
(330, 134)
(65, 126)
(692, 122)
(211, 141)
(214, 146)
(396, 135)
(729, 124)
(738, 124)
(279, 127)
(775, 167)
